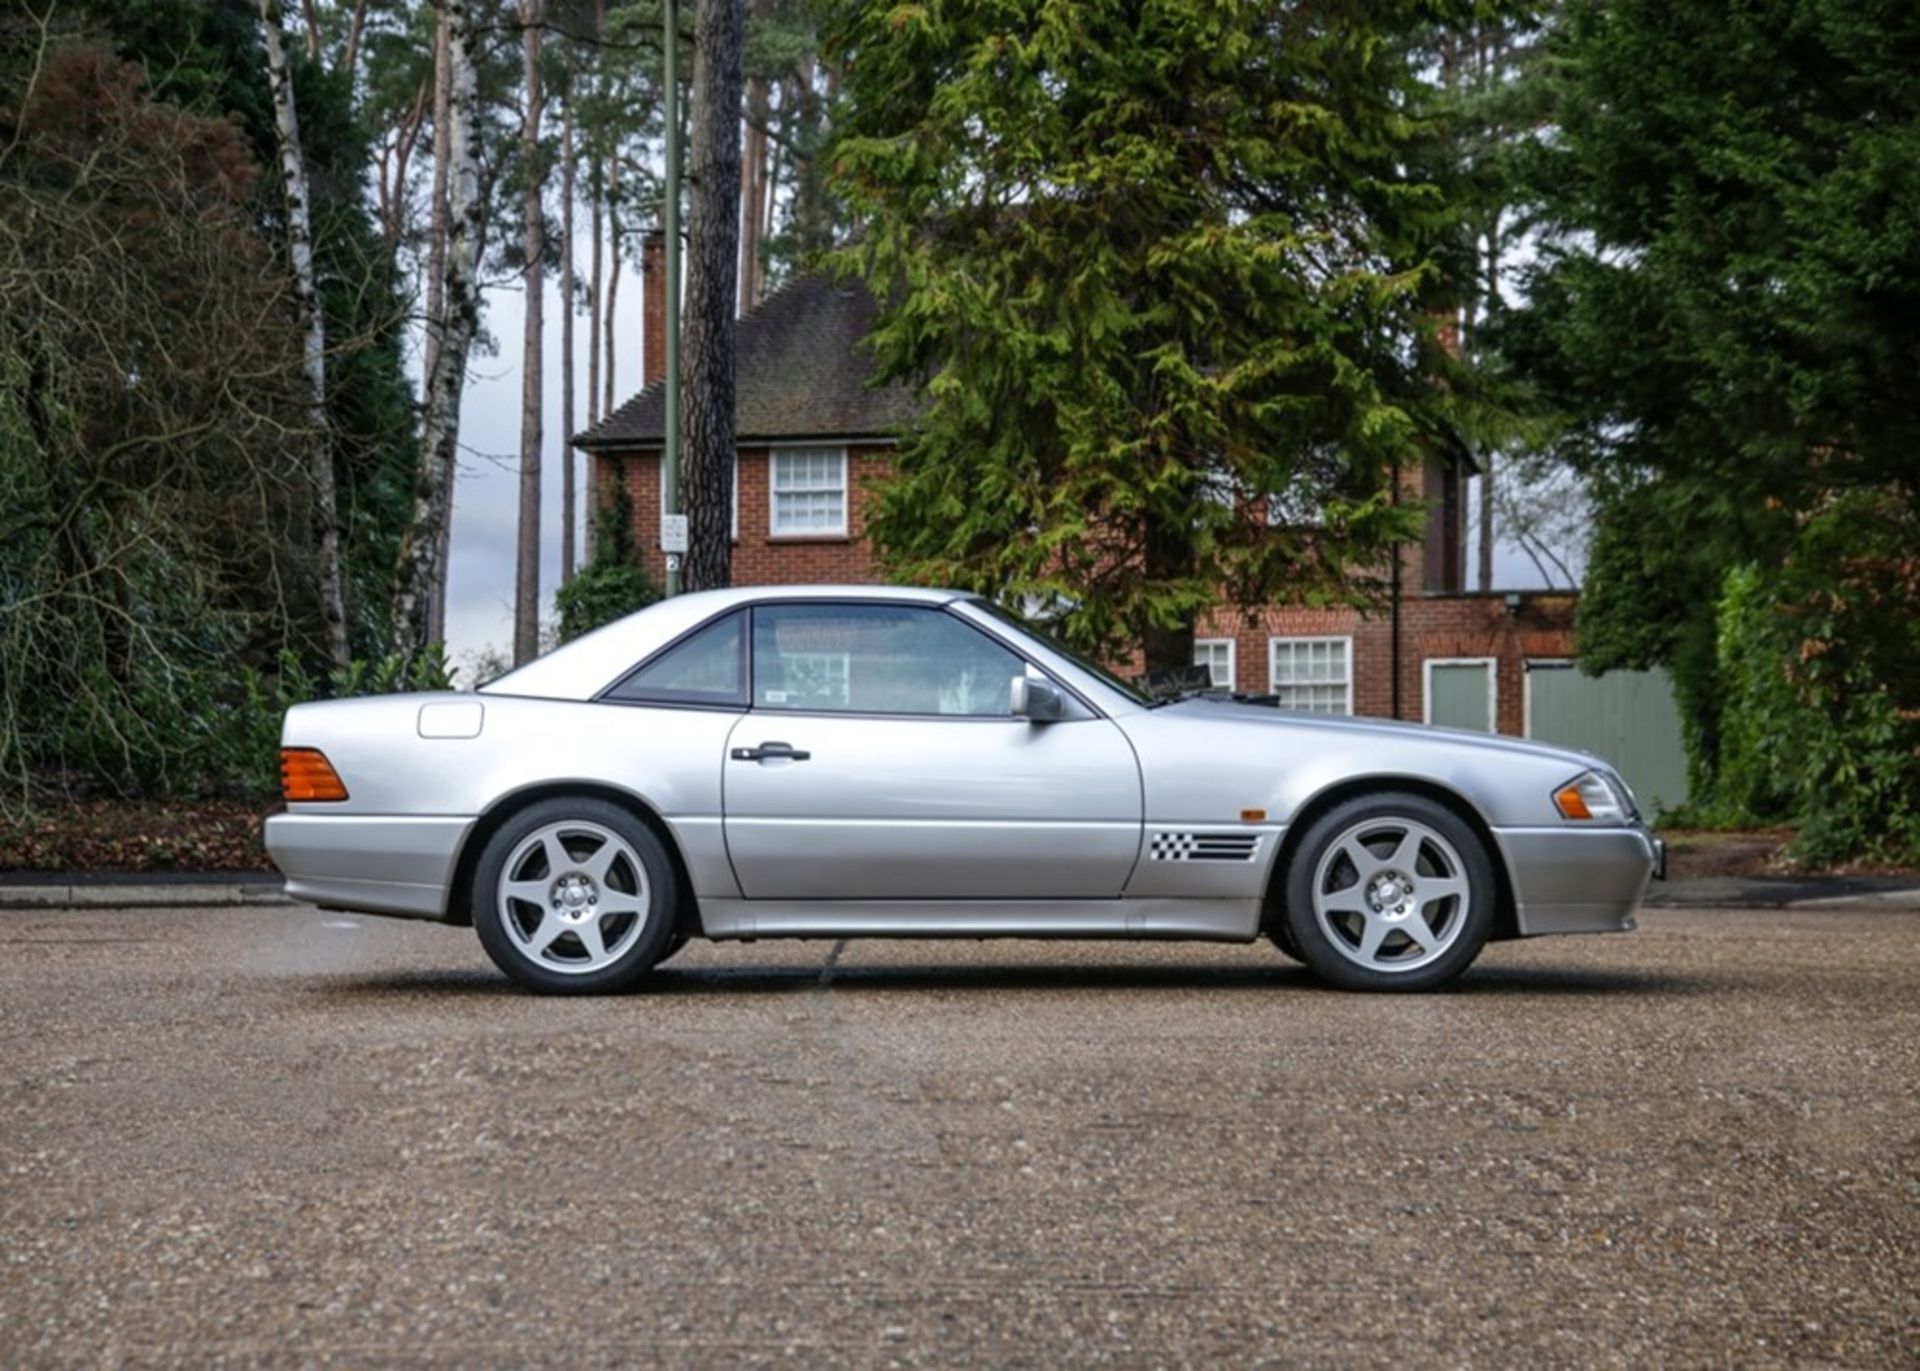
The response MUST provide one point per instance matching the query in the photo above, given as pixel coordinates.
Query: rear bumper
(1579, 880)
(373, 864)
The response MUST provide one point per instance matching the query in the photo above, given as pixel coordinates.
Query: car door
(879, 760)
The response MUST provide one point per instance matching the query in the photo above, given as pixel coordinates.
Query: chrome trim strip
(1226, 920)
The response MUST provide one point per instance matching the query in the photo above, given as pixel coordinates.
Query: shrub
(1820, 660)
(615, 583)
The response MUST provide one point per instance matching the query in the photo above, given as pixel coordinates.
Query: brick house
(811, 433)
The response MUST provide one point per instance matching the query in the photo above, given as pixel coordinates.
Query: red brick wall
(759, 558)
(653, 307)
(1431, 626)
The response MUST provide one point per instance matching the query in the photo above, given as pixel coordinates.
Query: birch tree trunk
(526, 579)
(293, 171)
(713, 261)
(437, 200)
(420, 544)
(567, 496)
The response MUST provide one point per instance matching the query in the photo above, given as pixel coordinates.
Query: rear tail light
(306, 775)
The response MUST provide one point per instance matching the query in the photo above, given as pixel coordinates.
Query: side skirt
(1231, 921)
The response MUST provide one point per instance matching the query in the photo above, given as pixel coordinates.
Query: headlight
(1625, 792)
(1591, 796)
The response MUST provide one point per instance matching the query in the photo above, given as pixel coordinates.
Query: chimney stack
(653, 307)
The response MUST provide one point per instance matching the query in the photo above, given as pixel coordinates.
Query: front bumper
(1579, 880)
(372, 864)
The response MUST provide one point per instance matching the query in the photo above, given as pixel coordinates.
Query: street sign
(673, 533)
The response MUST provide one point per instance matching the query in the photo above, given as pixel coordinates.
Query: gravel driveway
(252, 1135)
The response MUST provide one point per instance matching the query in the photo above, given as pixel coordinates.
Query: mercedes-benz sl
(837, 762)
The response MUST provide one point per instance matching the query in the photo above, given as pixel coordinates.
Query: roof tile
(802, 374)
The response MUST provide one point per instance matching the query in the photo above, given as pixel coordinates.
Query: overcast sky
(486, 494)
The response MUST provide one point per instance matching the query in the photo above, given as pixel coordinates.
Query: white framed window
(1301, 505)
(1216, 655)
(1312, 673)
(820, 679)
(808, 490)
(1462, 692)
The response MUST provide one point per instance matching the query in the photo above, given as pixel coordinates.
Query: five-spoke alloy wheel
(574, 895)
(1390, 892)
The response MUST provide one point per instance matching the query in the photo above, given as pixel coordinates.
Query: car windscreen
(1010, 620)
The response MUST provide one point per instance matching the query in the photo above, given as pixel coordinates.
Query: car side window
(708, 667)
(877, 659)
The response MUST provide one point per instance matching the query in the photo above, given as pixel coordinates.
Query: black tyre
(575, 897)
(1390, 892)
(1281, 936)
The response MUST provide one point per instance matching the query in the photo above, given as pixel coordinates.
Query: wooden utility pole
(670, 444)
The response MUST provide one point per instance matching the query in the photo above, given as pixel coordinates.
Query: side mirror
(1035, 700)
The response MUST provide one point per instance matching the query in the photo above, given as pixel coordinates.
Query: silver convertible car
(829, 762)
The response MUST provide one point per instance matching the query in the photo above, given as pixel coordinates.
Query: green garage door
(1628, 717)
(1460, 694)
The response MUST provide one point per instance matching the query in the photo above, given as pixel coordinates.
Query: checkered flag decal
(1172, 847)
(1203, 847)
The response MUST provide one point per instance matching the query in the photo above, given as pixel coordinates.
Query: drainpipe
(1398, 555)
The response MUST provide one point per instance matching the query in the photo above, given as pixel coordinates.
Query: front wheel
(1390, 892)
(574, 896)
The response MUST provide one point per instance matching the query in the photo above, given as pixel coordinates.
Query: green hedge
(1819, 659)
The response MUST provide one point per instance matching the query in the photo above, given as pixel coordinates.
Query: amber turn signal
(306, 775)
(1572, 803)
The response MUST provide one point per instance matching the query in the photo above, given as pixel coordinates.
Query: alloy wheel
(1391, 894)
(573, 897)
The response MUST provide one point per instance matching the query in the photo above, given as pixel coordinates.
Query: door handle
(767, 752)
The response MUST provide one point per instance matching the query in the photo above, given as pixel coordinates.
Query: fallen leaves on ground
(131, 835)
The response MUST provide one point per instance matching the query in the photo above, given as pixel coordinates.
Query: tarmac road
(250, 1135)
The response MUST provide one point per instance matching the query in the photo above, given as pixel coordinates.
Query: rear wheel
(1390, 892)
(575, 896)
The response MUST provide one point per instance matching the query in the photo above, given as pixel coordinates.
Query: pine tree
(713, 243)
(1150, 264)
